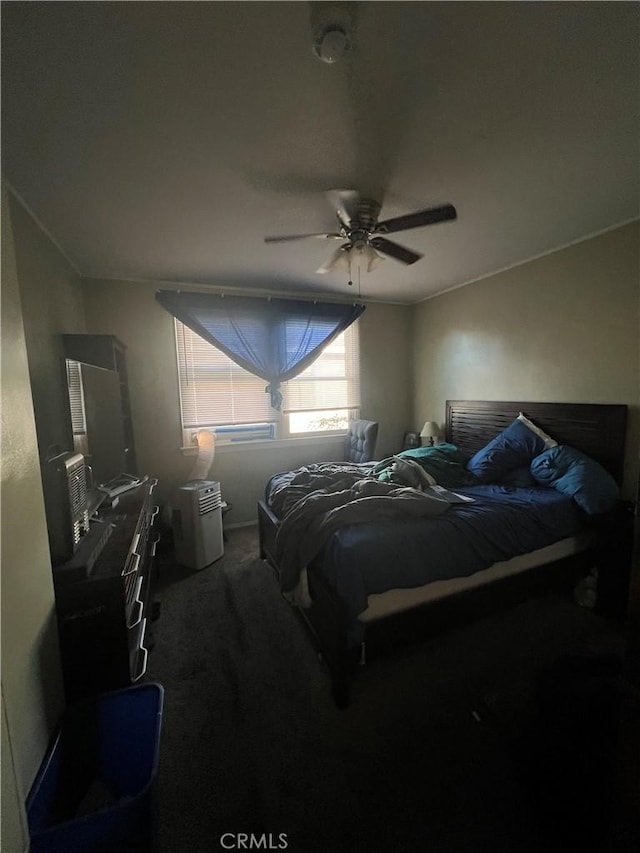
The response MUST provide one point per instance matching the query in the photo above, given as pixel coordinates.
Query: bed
(361, 581)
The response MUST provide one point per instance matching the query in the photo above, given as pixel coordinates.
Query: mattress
(393, 601)
(501, 524)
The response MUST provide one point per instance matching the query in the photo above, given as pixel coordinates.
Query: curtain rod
(221, 292)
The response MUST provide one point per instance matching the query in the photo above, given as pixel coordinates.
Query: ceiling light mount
(331, 28)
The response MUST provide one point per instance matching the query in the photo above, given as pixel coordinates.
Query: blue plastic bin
(94, 791)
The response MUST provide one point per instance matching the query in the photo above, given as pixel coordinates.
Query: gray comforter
(286, 489)
(315, 516)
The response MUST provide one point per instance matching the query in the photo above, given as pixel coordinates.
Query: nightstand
(614, 553)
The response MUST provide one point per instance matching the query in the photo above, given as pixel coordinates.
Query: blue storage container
(94, 791)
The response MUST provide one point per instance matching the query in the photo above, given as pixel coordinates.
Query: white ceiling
(163, 141)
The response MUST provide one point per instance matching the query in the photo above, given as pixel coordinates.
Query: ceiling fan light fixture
(338, 261)
(375, 260)
(366, 256)
(342, 261)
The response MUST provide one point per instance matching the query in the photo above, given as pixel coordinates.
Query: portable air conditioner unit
(197, 524)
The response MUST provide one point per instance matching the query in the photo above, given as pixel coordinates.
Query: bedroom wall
(51, 296)
(562, 328)
(32, 697)
(129, 310)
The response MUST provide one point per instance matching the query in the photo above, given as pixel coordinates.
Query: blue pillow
(573, 473)
(513, 448)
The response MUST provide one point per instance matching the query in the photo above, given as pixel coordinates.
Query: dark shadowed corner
(446, 746)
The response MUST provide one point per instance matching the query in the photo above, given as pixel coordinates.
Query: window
(326, 393)
(217, 394)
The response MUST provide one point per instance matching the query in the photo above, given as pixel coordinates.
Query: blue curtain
(275, 339)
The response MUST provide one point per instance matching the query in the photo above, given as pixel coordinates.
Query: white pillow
(548, 441)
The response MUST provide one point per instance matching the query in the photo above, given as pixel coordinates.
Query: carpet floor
(446, 745)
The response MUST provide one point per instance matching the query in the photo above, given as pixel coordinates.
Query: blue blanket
(501, 523)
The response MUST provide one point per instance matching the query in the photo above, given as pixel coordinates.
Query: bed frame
(596, 429)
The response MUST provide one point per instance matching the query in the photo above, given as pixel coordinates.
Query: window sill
(271, 444)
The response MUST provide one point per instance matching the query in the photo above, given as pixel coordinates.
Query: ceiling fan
(358, 225)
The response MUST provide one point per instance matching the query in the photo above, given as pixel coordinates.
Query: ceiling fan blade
(338, 260)
(416, 220)
(324, 236)
(345, 204)
(394, 250)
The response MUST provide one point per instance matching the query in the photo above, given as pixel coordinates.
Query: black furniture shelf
(104, 597)
(97, 350)
(111, 448)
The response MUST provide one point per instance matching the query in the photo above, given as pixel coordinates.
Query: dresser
(104, 596)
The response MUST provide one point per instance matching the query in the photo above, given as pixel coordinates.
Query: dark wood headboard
(594, 428)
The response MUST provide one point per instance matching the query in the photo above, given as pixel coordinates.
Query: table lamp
(428, 432)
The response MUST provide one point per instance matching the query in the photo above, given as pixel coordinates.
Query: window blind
(331, 382)
(213, 389)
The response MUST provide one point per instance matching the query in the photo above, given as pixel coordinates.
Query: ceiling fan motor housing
(366, 216)
(358, 239)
